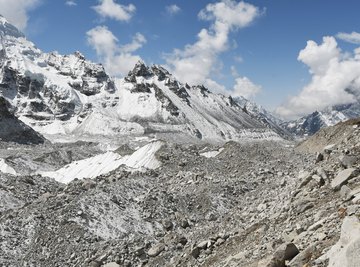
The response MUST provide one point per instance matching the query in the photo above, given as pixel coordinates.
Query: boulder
(343, 177)
(284, 253)
(303, 257)
(345, 193)
(156, 250)
(346, 252)
(348, 161)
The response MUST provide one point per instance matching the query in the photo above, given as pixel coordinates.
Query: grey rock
(195, 252)
(345, 193)
(305, 178)
(284, 253)
(348, 161)
(156, 250)
(345, 253)
(303, 257)
(342, 177)
(319, 157)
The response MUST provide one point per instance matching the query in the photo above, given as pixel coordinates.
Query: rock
(111, 264)
(319, 157)
(303, 257)
(345, 253)
(168, 225)
(183, 240)
(329, 148)
(156, 250)
(348, 161)
(304, 177)
(284, 253)
(345, 193)
(203, 244)
(342, 178)
(94, 264)
(302, 205)
(195, 252)
(319, 180)
(184, 223)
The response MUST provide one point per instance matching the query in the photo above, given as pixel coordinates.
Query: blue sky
(262, 52)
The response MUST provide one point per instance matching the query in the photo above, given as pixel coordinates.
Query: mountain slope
(68, 95)
(14, 130)
(267, 118)
(310, 124)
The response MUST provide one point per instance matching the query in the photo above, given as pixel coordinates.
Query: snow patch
(143, 158)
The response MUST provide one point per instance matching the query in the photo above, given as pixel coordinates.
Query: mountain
(310, 124)
(14, 130)
(70, 96)
(264, 116)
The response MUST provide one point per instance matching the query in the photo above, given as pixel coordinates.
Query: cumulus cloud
(16, 11)
(335, 79)
(353, 37)
(197, 61)
(117, 59)
(246, 88)
(112, 10)
(70, 3)
(173, 9)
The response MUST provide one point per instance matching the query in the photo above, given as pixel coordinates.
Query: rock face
(345, 253)
(14, 130)
(58, 95)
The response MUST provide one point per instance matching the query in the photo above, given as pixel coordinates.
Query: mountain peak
(140, 69)
(7, 29)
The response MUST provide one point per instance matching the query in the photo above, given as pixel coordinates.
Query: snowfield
(143, 158)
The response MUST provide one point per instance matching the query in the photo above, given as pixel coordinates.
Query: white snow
(5, 168)
(211, 154)
(143, 158)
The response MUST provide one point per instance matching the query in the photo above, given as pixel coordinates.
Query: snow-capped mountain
(310, 124)
(260, 113)
(68, 95)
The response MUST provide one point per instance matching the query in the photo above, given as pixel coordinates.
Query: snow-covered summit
(8, 29)
(68, 95)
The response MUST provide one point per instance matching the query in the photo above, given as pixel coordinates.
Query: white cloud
(16, 11)
(70, 3)
(334, 75)
(353, 37)
(173, 9)
(234, 72)
(117, 59)
(110, 9)
(238, 59)
(246, 88)
(196, 62)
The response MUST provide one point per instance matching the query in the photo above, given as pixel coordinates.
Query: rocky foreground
(251, 204)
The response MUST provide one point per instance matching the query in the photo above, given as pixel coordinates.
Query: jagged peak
(7, 29)
(79, 55)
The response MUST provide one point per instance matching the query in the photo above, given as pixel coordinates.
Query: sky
(292, 57)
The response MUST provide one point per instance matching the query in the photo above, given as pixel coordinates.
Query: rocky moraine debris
(250, 204)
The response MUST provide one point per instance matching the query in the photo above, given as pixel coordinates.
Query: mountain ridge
(68, 95)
